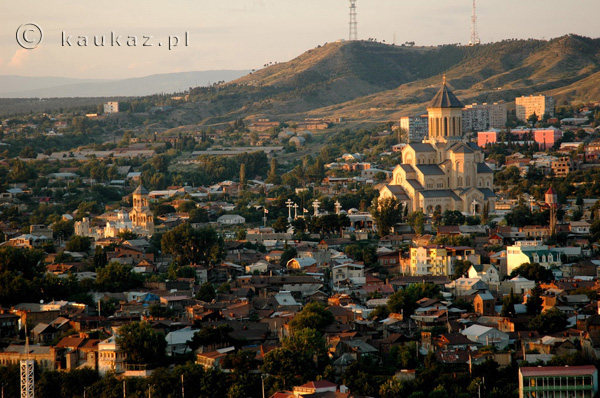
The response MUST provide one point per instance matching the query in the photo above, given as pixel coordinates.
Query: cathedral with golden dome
(445, 171)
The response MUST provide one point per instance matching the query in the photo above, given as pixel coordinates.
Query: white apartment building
(481, 117)
(111, 107)
(416, 127)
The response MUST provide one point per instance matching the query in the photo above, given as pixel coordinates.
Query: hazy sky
(245, 34)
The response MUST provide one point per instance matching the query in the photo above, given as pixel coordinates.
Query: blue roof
(415, 184)
(429, 169)
(440, 193)
(420, 147)
(487, 193)
(483, 168)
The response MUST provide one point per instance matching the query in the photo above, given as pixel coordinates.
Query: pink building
(546, 137)
(487, 137)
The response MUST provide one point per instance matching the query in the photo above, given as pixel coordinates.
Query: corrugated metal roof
(558, 370)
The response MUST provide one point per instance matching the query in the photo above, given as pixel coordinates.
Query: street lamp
(263, 377)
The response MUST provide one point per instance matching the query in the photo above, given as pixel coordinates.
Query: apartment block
(538, 104)
(416, 127)
(480, 117)
(558, 381)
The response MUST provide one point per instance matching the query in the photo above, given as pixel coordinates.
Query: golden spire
(444, 79)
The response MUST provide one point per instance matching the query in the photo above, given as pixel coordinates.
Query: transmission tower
(474, 35)
(353, 32)
(27, 365)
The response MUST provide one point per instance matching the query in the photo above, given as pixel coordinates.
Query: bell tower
(445, 115)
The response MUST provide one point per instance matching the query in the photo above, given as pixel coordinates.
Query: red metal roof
(558, 370)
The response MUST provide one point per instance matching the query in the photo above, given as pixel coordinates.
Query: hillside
(363, 80)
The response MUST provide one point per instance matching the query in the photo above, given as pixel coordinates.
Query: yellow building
(439, 260)
(538, 104)
(445, 171)
(142, 218)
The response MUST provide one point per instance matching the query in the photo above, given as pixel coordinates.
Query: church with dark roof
(445, 171)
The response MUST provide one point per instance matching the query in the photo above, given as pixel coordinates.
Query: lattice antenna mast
(27, 365)
(474, 35)
(353, 31)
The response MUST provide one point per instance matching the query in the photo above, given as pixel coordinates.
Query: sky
(246, 34)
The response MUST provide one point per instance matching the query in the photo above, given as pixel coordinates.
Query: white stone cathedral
(445, 171)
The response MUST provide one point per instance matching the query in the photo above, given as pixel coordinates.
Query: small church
(445, 171)
(139, 220)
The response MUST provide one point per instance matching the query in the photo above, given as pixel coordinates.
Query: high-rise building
(538, 104)
(481, 117)
(416, 127)
(558, 381)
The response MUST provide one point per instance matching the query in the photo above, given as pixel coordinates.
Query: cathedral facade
(445, 171)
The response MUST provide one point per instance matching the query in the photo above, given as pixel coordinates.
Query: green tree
(188, 245)
(508, 305)
(453, 217)
(280, 224)
(288, 367)
(533, 272)
(313, 316)
(380, 312)
(79, 243)
(548, 322)
(417, 221)
(116, 277)
(273, 177)
(461, 267)
(206, 292)
(288, 254)
(534, 301)
(141, 343)
(386, 213)
(243, 176)
(405, 301)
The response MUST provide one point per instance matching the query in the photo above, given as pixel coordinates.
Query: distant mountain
(363, 80)
(58, 87)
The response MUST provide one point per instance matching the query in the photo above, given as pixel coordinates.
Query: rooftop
(558, 370)
(445, 99)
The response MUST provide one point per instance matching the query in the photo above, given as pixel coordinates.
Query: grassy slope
(362, 81)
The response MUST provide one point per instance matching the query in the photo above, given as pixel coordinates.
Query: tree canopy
(386, 213)
(141, 343)
(188, 245)
(533, 272)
